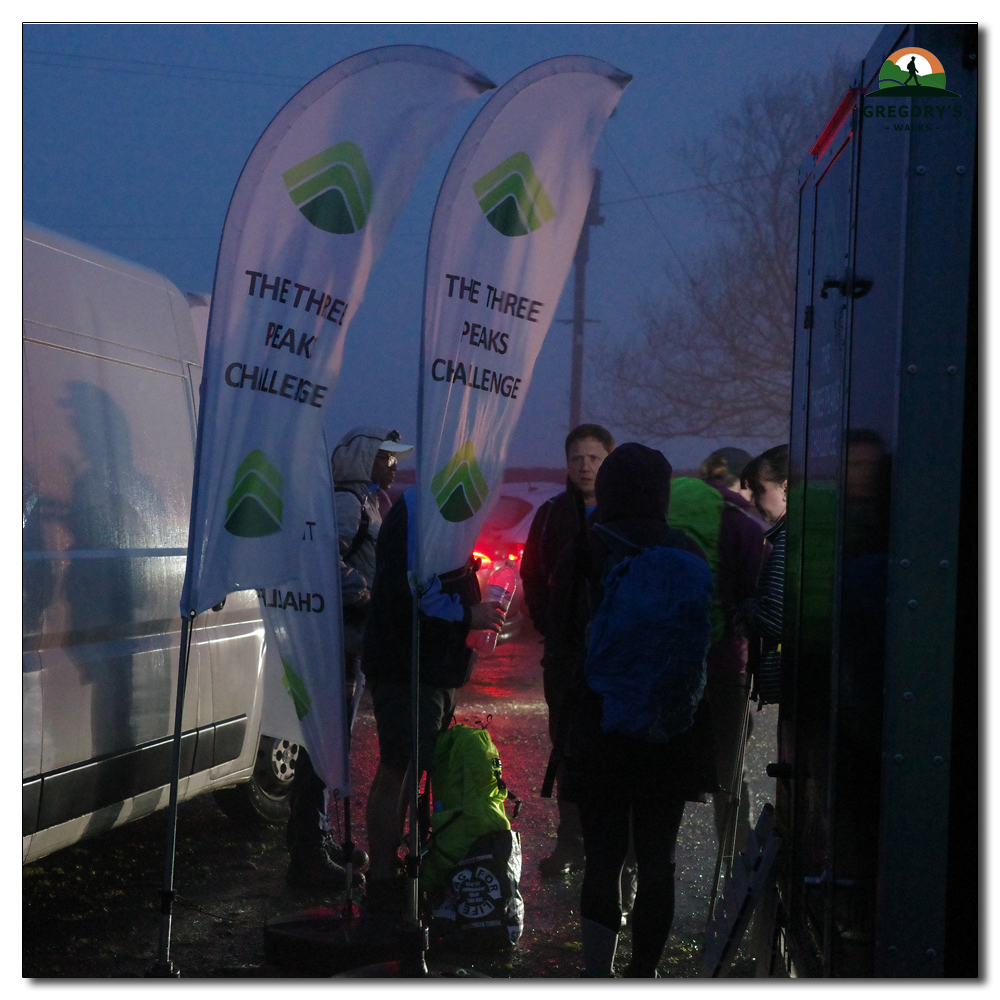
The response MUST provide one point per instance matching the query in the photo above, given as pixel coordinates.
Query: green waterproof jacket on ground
(468, 796)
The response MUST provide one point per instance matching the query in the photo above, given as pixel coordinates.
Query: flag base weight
(319, 942)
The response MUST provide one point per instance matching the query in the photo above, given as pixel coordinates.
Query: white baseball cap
(394, 445)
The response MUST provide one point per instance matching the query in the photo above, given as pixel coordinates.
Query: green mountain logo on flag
(296, 690)
(512, 197)
(459, 488)
(254, 507)
(332, 189)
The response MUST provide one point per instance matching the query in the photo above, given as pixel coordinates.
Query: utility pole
(593, 218)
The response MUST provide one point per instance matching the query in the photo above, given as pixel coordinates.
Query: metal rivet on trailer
(905, 563)
(944, 564)
(939, 760)
(911, 603)
(921, 171)
(952, 370)
(912, 369)
(931, 953)
(893, 950)
(907, 696)
(898, 758)
(959, 170)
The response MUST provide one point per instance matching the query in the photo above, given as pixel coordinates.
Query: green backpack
(468, 794)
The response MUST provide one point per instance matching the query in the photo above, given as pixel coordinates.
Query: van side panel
(95, 297)
(110, 368)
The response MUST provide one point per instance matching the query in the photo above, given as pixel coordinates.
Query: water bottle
(501, 587)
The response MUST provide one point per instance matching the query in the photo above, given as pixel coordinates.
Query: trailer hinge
(808, 322)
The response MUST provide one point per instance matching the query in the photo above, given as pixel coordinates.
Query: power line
(696, 187)
(644, 199)
(159, 239)
(144, 67)
(136, 225)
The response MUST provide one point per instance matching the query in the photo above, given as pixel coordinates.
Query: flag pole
(414, 938)
(163, 968)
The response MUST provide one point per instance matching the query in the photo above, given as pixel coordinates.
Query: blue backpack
(648, 641)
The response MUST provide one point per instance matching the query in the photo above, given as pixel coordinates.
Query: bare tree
(715, 354)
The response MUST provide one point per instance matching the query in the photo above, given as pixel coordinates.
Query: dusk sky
(134, 137)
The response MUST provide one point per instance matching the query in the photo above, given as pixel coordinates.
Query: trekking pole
(737, 786)
(718, 868)
(728, 840)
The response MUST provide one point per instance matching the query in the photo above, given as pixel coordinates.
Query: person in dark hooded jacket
(618, 781)
(363, 464)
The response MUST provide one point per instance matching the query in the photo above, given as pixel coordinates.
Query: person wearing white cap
(364, 466)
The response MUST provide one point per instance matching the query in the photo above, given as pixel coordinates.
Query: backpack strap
(362, 535)
(511, 796)
(617, 541)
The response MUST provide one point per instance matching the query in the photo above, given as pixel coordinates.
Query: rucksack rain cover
(648, 642)
(468, 802)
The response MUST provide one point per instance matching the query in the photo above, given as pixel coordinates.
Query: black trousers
(306, 806)
(655, 821)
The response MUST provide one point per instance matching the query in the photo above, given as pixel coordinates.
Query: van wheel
(264, 799)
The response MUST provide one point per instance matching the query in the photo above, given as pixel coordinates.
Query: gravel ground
(92, 910)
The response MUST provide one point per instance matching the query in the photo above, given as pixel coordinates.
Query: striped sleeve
(762, 614)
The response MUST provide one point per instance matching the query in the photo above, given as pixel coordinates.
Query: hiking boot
(336, 854)
(568, 856)
(312, 868)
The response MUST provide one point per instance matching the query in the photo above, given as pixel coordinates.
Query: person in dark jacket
(761, 616)
(559, 519)
(363, 463)
(620, 783)
(556, 522)
(447, 614)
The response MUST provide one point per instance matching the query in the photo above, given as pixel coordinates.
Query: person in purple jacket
(741, 553)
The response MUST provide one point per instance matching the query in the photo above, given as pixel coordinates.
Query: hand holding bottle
(499, 594)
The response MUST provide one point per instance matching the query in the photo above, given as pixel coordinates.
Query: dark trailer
(878, 735)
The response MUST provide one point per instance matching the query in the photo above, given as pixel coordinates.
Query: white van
(111, 369)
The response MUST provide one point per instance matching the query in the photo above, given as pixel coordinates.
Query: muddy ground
(92, 910)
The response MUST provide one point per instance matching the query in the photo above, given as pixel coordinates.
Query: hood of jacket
(355, 453)
(633, 481)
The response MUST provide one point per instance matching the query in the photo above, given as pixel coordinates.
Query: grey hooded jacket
(352, 465)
